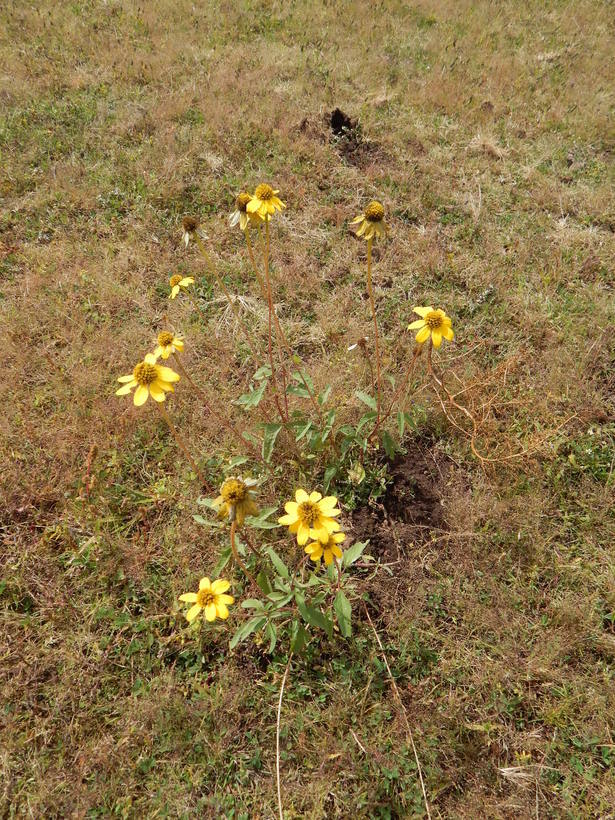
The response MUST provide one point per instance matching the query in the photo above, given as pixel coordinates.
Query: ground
(487, 131)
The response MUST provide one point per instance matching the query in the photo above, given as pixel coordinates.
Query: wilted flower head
(434, 323)
(371, 222)
(211, 598)
(190, 225)
(264, 202)
(150, 379)
(236, 500)
(178, 281)
(240, 214)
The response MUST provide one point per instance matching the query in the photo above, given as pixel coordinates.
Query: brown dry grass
(489, 137)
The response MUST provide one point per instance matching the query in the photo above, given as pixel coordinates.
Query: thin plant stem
(277, 738)
(270, 331)
(182, 446)
(370, 290)
(403, 708)
(254, 265)
(402, 386)
(238, 560)
(251, 546)
(229, 298)
(224, 422)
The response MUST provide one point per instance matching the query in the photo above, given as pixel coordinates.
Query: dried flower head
(236, 500)
(168, 343)
(434, 323)
(190, 225)
(150, 379)
(371, 222)
(264, 202)
(311, 516)
(178, 281)
(210, 598)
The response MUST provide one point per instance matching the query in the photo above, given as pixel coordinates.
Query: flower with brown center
(190, 225)
(178, 281)
(264, 202)
(371, 222)
(211, 598)
(236, 500)
(168, 343)
(240, 214)
(150, 379)
(434, 323)
(311, 516)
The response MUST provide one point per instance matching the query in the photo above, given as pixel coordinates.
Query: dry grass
(488, 134)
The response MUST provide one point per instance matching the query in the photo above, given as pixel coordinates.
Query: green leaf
(272, 633)
(401, 423)
(235, 462)
(260, 522)
(329, 422)
(262, 579)
(263, 372)
(390, 447)
(280, 566)
(271, 434)
(313, 616)
(225, 556)
(353, 553)
(252, 603)
(329, 475)
(304, 431)
(299, 637)
(366, 399)
(343, 610)
(324, 395)
(280, 598)
(297, 390)
(247, 629)
(303, 379)
(253, 398)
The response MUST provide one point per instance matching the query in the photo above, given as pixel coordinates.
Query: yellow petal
(156, 392)
(320, 532)
(210, 612)
(123, 391)
(328, 557)
(126, 379)
(193, 612)
(220, 586)
(423, 335)
(327, 501)
(188, 597)
(422, 311)
(416, 325)
(287, 520)
(291, 507)
(221, 610)
(150, 358)
(226, 599)
(303, 533)
(174, 291)
(338, 537)
(179, 344)
(330, 526)
(447, 332)
(336, 550)
(166, 374)
(436, 338)
(141, 394)
(301, 496)
(204, 583)
(315, 497)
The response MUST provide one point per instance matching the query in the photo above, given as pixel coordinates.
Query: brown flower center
(233, 491)
(309, 513)
(264, 192)
(374, 212)
(175, 280)
(145, 373)
(204, 597)
(433, 320)
(242, 201)
(165, 338)
(190, 223)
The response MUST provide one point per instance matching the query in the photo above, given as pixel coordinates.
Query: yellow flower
(329, 550)
(168, 343)
(311, 516)
(236, 500)
(434, 323)
(211, 598)
(150, 379)
(371, 222)
(240, 214)
(176, 282)
(264, 202)
(190, 225)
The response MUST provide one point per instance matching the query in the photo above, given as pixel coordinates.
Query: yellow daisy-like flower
(236, 500)
(330, 550)
(371, 222)
(264, 202)
(240, 214)
(150, 379)
(168, 343)
(211, 598)
(190, 225)
(434, 323)
(178, 281)
(311, 516)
